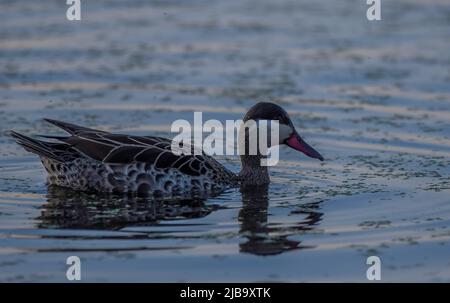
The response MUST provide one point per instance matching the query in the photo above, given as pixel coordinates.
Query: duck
(91, 160)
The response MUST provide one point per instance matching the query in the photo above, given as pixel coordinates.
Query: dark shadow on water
(262, 238)
(68, 209)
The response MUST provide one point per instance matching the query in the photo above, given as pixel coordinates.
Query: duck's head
(288, 135)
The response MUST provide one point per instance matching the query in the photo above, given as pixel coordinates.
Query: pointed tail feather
(37, 147)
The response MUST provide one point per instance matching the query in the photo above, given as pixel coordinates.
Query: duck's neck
(252, 172)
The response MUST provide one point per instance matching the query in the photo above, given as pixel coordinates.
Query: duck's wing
(72, 129)
(125, 149)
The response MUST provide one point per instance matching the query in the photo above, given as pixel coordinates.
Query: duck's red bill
(297, 143)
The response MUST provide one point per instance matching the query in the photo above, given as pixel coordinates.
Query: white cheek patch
(285, 132)
(260, 133)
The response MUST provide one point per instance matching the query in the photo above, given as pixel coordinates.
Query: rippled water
(373, 98)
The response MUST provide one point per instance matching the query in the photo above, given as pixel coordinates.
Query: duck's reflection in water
(70, 209)
(264, 238)
(66, 208)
